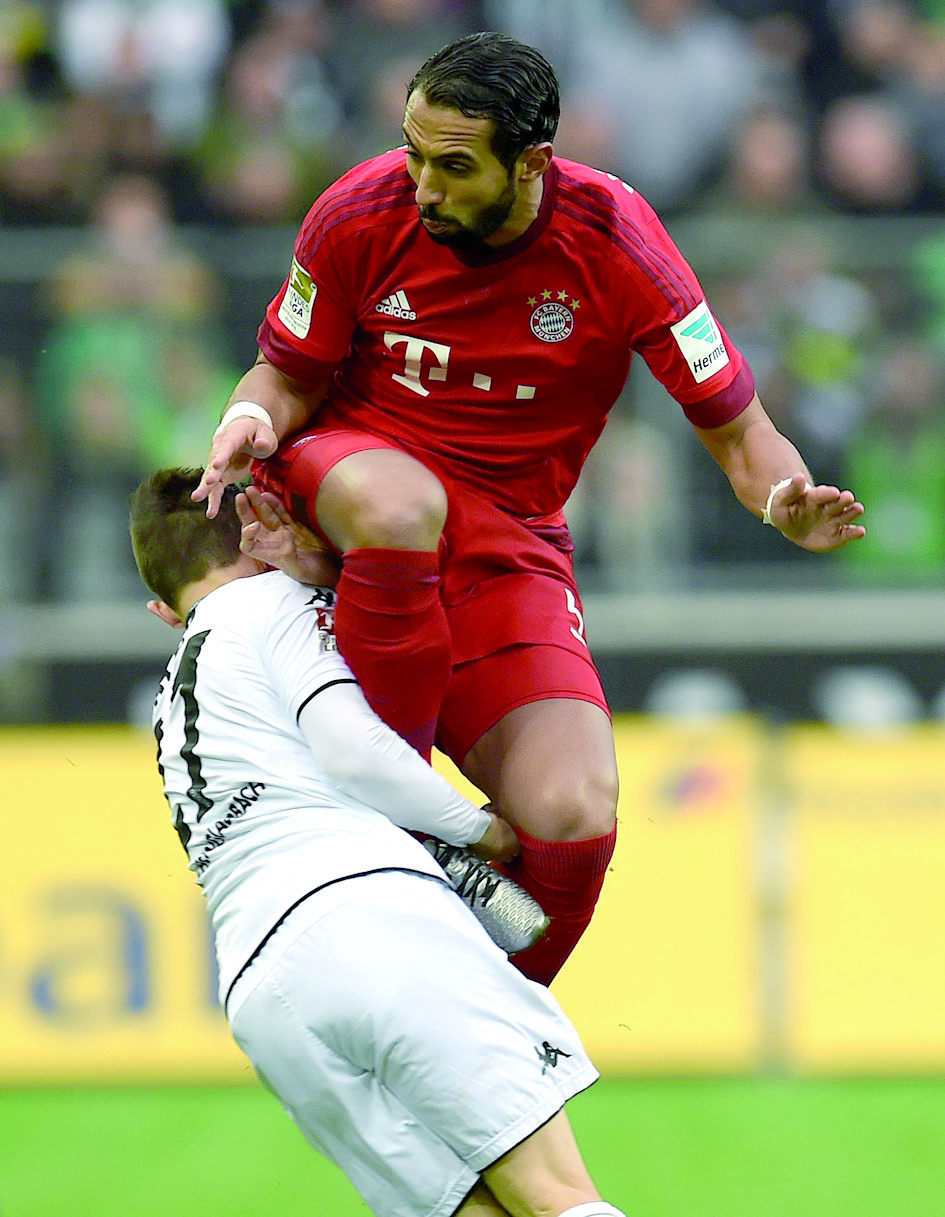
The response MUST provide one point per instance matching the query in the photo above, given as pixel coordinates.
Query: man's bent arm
(770, 478)
(290, 403)
(753, 454)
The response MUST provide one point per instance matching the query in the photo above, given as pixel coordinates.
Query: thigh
(550, 766)
(297, 471)
(485, 691)
(399, 1167)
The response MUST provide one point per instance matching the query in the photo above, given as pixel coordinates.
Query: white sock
(594, 1208)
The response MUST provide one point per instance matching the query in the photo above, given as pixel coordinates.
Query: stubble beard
(471, 238)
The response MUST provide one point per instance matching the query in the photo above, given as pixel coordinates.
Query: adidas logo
(397, 305)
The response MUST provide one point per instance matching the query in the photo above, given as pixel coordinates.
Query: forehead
(438, 130)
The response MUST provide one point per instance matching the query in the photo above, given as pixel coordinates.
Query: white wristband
(245, 409)
(766, 514)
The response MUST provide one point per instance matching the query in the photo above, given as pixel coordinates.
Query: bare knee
(382, 499)
(571, 810)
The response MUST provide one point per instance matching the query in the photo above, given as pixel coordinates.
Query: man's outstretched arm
(263, 409)
(770, 478)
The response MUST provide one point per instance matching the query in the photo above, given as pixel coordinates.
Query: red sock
(566, 878)
(392, 631)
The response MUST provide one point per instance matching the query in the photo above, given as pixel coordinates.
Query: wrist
(777, 486)
(486, 820)
(245, 409)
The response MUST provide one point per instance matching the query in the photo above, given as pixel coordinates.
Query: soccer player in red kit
(458, 321)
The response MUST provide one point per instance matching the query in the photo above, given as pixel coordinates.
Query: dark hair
(173, 540)
(496, 77)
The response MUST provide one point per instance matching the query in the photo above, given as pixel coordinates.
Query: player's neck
(524, 214)
(217, 577)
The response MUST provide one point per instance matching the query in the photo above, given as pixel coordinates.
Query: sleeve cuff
(290, 361)
(725, 405)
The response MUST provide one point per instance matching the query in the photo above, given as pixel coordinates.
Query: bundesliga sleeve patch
(700, 341)
(295, 311)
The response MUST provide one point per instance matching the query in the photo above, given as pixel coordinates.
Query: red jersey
(500, 368)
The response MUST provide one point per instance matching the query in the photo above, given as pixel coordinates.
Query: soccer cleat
(511, 917)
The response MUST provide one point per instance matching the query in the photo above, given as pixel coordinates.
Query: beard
(472, 237)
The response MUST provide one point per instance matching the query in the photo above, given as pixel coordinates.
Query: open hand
(270, 535)
(232, 450)
(818, 518)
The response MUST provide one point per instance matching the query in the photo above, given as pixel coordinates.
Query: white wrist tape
(245, 409)
(766, 514)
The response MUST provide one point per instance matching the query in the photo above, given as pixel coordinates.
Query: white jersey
(263, 824)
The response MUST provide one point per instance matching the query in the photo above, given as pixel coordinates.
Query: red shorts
(515, 616)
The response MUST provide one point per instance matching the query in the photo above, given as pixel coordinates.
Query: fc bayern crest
(552, 322)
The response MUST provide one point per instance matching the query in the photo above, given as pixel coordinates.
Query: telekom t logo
(413, 361)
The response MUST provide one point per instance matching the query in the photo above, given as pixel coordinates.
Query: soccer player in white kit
(372, 1002)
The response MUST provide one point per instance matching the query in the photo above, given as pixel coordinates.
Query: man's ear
(166, 613)
(534, 161)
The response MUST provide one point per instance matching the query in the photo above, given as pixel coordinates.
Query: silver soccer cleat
(511, 917)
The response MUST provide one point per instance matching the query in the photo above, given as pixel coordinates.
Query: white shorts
(402, 1042)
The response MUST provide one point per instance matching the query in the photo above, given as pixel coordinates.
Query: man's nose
(429, 190)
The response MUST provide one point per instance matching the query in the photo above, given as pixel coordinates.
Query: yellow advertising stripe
(866, 911)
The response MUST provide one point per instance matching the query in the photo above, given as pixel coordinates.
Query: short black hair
(495, 76)
(173, 540)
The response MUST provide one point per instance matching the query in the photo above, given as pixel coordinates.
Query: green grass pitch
(742, 1147)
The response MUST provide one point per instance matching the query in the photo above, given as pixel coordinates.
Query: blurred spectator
(884, 141)
(894, 458)
(626, 514)
(133, 266)
(372, 34)
(378, 126)
(667, 81)
(35, 185)
(875, 37)
(153, 57)
(116, 392)
(921, 97)
(868, 162)
(23, 489)
(824, 322)
(807, 330)
(768, 172)
(929, 277)
(273, 144)
(556, 27)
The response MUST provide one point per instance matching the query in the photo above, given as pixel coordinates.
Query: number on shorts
(575, 611)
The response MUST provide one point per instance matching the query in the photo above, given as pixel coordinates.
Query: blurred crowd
(139, 123)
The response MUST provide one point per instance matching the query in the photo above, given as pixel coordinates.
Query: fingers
(212, 485)
(845, 534)
(830, 504)
(843, 507)
(249, 538)
(206, 489)
(818, 518)
(230, 453)
(244, 510)
(795, 492)
(267, 508)
(214, 499)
